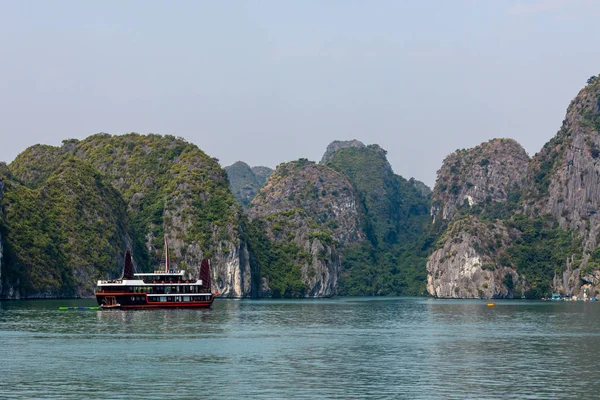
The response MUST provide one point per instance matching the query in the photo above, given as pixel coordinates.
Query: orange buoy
(491, 304)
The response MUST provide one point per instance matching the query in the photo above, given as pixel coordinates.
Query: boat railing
(171, 271)
(111, 281)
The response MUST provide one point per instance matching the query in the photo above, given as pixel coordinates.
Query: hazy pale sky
(273, 81)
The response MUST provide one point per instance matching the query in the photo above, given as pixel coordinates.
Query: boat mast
(166, 255)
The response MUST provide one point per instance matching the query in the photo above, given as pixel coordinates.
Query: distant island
(497, 224)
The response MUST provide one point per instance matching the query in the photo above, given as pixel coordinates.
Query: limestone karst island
(497, 224)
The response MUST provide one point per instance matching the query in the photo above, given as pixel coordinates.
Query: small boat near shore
(163, 288)
(110, 303)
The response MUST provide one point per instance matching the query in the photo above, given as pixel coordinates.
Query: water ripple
(337, 348)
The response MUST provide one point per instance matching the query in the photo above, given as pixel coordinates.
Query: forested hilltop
(70, 212)
(498, 224)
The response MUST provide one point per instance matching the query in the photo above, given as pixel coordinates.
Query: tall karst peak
(300, 219)
(393, 206)
(488, 172)
(565, 174)
(337, 145)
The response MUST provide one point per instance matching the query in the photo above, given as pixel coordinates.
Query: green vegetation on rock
(169, 185)
(540, 251)
(395, 213)
(63, 226)
(64, 235)
(300, 219)
(271, 241)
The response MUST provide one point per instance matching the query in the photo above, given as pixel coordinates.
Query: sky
(272, 81)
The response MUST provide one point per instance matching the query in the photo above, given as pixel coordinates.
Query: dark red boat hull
(141, 301)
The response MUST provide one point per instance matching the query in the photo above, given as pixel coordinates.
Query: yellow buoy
(491, 304)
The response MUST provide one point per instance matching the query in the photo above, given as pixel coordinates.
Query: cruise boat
(164, 288)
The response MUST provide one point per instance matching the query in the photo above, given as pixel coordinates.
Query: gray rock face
(562, 180)
(323, 194)
(471, 263)
(565, 181)
(573, 193)
(569, 281)
(489, 171)
(234, 275)
(313, 207)
(339, 144)
(230, 267)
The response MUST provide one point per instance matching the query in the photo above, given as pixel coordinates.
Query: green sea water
(341, 348)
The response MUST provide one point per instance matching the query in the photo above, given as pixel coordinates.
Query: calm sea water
(406, 348)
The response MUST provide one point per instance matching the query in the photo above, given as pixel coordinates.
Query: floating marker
(491, 304)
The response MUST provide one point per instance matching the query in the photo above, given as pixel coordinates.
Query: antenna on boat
(166, 255)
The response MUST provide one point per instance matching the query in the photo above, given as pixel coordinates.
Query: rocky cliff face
(565, 181)
(471, 259)
(392, 205)
(473, 262)
(245, 182)
(552, 205)
(324, 195)
(304, 213)
(566, 173)
(488, 172)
